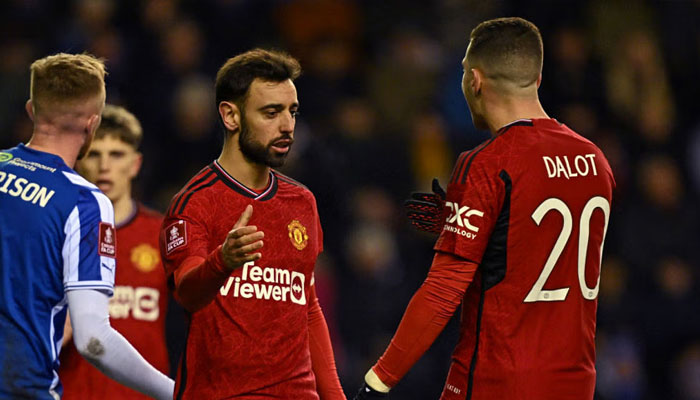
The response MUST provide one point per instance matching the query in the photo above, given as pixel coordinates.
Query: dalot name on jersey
(561, 167)
(267, 283)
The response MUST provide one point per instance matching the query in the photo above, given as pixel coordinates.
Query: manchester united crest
(297, 234)
(145, 257)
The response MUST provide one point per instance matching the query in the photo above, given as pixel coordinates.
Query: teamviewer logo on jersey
(266, 283)
(296, 295)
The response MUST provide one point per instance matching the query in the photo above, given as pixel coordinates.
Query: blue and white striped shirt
(56, 234)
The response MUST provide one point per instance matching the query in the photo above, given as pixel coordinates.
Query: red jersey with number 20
(531, 207)
(252, 340)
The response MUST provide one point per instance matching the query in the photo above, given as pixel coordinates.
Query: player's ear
(230, 116)
(477, 81)
(29, 106)
(93, 123)
(136, 166)
(539, 80)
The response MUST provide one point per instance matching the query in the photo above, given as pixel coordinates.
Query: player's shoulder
(197, 190)
(78, 182)
(286, 180)
(288, 184)
(525, 137)
(83, 188)
(478, 158)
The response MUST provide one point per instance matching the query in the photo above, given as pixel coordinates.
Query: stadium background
(382, 113)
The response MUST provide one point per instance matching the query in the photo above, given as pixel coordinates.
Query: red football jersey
(531, 207)
(252, 340)
(137, 311)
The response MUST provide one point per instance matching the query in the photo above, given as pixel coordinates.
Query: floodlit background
(382, 114)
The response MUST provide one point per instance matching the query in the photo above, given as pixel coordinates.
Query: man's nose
(287, 124)
(104, 163)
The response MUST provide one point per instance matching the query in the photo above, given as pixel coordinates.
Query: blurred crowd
(382, 113)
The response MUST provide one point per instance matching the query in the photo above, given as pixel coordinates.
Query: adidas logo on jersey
(267, 283)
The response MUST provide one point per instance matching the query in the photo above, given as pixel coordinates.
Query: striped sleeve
(89, 249)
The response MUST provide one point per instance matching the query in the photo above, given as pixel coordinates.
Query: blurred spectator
(638, 88)
(430, 154)
(619, 366)
(574, 79)
(193, 136)
(619, 308)
(671, 321)
(404, 80)
(14, 75)
(661, 219)
(158, 15)
(687, 373)
(91, 17)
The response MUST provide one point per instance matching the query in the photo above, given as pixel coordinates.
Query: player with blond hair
(57, 242)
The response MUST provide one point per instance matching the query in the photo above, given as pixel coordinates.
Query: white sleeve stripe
(71, 247)
(106, 215)
(88, 283)
(78, 180)
(109, 291)
(52, 329)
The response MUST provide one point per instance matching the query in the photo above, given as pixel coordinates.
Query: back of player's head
(121, 124)
(235, 76)
(62, 80)
(507, 49)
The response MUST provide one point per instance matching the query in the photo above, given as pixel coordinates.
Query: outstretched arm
(107, 350)
(427, 314)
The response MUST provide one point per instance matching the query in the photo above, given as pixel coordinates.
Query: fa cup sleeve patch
(107, 245)
(175, 236)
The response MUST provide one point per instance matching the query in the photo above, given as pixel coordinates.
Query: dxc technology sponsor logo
(460, 220)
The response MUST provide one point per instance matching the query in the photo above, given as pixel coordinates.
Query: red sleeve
(322, 359)
(474, 201)
(198, 279)
(194, 274)
(426, 315)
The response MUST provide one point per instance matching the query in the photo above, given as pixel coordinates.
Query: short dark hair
(507, 48)
(235, 76)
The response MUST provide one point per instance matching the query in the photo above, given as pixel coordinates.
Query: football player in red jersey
(521, 241)
(137, 309)
(256, 329)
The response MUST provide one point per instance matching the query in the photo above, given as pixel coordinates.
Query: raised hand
(426, 210)
(242, 241)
